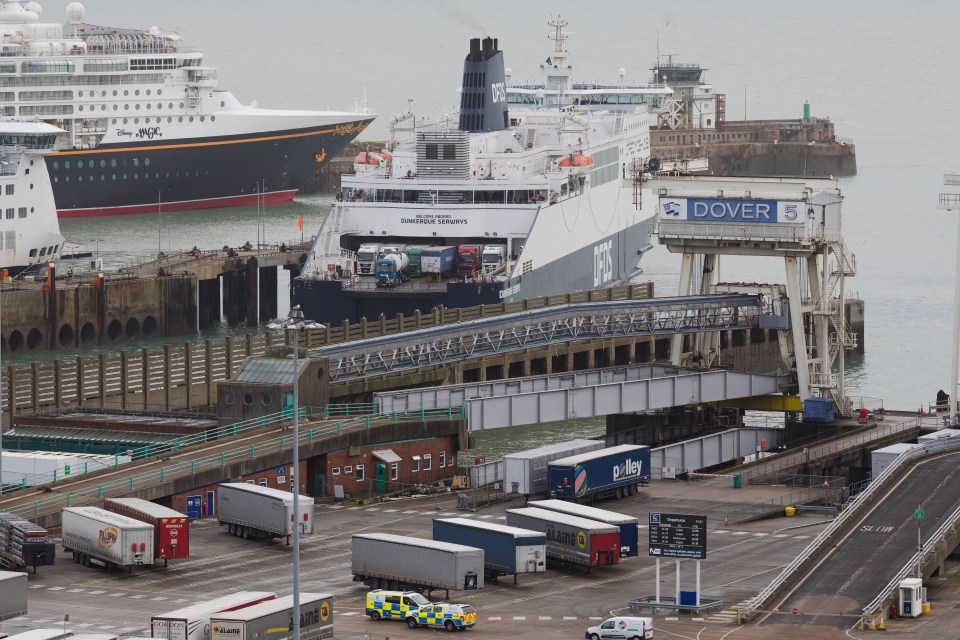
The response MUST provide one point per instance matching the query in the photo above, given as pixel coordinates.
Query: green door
(320, 484)
(381, 478)
(288, 405)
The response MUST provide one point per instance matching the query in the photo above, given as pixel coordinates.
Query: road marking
(346, 613)
(519, 618)
(564, 617)
(110, 626)
(544, 618)
(96, 593)
(349, 508)
(84, 624)
(639, 526)
(591, 617)
(136, 597)
(75, 590)
(501, 517)
(693, 619)
(779, 535)
(158, 598)
(36, 586)
(116, 595)
(800, 537)
(385, 510)
(720, 531)
(126, 629)
(489, 618)
(760, 535)
(406, 513)
(671, 619)
(447, 514)
(44, 620)
(740, 533)
(56, 589)
(481, 517)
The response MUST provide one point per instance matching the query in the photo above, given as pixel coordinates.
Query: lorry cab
(622, 628)
(367, 256)
(395, 605)
(493, 257)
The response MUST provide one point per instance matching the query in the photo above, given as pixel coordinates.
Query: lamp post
(295, 322)
(951, 202)
(159, 226)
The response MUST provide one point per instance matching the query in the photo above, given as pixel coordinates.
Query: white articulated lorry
(193, 622)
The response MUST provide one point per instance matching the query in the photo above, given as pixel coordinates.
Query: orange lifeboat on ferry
(369, 160)
(577, 163)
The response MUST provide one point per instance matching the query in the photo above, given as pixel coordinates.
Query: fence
(126, 484)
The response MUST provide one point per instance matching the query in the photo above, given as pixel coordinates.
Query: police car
(395, 605)
(452, 617)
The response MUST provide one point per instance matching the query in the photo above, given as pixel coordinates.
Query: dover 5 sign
(732, 211)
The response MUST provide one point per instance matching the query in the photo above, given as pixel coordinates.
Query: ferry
(29, 227)
(145, 124)
(525, 192)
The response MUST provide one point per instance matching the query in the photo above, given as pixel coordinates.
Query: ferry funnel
(483, 97)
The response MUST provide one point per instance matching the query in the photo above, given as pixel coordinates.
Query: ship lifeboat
(371, 160)
(577, 163)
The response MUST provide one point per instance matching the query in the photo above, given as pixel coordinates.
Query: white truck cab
(622, 628)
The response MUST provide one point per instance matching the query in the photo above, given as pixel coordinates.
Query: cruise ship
(29, 227)
(534, 190)
(145, 124)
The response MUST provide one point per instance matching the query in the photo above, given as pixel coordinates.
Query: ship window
(148, 91)
(212, 118)
(159, 91)
(191, 118)
(43, 250)
(48, 66)
(180, 119)
(146, 162)
(202, 118)
(136, 162)
(126, 92)
(80, 94)
(124, 176)
(8, 67)
(431, 152)
(222, 104)
(126, 107)
(22, 212)
(103, 107)
(449, 152)
(10, 188)
(137, 106)
(149, 106)
(56, 164)
(10, 217)
(159, 105)
(114, 92)
(169, 119)
(103, 163)
(33, 253)
(248, 399)
(113, 162)
(79, 178)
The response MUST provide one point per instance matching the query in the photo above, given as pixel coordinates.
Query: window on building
(348, 469)
(394, 471)
(251, 482)
(9, 189)
(263, 482)
(432, 151)
(415, 464)
(10, 213)
(427, 461)
(359, 475)
(22, 212)
(335, 471)
(443, 459)
(281, 479)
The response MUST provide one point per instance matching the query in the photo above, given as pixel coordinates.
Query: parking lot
(741, 560)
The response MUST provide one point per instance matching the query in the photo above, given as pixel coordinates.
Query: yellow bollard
(880, 626)
(925, 608)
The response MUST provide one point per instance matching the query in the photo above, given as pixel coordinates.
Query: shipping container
(96, 536)
(401, 562)
(571, 540)
(252, 511)
(629, 526)
(193, 622)
(13, 594)
(438, 260)
(506, 550)
(611, 472)
(273, 620)
(525, 472)
(24, 544)
(171, 529)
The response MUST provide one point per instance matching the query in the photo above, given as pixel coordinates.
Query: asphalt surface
(741, 560)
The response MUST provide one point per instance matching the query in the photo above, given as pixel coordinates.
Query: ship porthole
(132, 328)
(34, 338)
(114, 329)
(66, 336)
(149, 326)
(15, 343)
(88, 333)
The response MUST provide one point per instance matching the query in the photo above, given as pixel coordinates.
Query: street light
(951, 202)
(295, 322)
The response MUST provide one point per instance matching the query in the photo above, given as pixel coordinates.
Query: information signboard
(678, 536)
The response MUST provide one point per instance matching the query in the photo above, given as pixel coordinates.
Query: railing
(786, 460)
(758, 601)
(830, 494)
(950, 199)
(349, 409)
(174, 469)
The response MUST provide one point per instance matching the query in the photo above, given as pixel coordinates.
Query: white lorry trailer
(273, 620)
(96, 536)
(252, 511)
(193, 622)
(13, 594)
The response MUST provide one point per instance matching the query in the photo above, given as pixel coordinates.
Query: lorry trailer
(24, 544)
(385, 560)
(41, 634)
(571, 540)
(13, 594)
(611, 472)
(438, 261)
(252, 511)
(171, 529)
(506, 550)
(629, 526)
(193, 622)
(96, 536)
(525, 472)
(273, 620)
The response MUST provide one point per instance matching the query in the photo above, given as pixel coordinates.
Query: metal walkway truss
(562, 396)
(549, 325)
